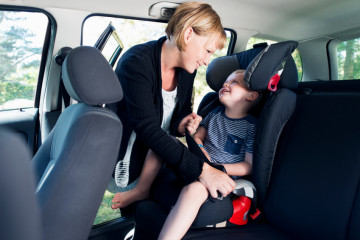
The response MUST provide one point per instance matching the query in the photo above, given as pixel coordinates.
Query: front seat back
(75, 163)
(19, 211)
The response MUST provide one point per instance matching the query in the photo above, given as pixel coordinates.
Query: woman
(157, 79)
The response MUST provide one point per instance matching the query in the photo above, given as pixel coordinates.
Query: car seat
(20, 218)
(279, 106)
(273, 112)
(75, 163)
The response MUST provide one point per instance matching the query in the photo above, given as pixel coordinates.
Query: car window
(22, 37)
(296, 54)
(348, 59)
(132, 32)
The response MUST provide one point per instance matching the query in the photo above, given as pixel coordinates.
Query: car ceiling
(273, 19)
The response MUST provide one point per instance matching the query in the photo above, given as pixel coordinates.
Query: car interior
(60, 138)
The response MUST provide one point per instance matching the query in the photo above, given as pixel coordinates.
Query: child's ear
(252, 96)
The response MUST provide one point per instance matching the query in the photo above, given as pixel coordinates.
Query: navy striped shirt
(228, 139)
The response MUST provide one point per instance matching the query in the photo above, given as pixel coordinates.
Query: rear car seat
(314, 190)
(279, 106)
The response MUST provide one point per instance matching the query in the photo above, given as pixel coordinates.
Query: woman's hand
(190, 122)
(216, 181)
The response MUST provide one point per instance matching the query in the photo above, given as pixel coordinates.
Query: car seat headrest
(267, 63)
(289, 76)
(220, 68)
(89, 78)
(261, 64)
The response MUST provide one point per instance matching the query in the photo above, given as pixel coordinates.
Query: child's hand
(190, 122)
(193, 123)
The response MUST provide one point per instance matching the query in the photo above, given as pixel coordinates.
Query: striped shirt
(228, 139)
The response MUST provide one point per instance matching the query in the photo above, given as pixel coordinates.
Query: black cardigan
(141, 110)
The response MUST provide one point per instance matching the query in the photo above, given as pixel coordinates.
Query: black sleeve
(137, 78)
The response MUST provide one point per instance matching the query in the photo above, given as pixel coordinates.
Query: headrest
(261, 64)
(267, 63)
(289, 77)
(220, 68)
(89, 78)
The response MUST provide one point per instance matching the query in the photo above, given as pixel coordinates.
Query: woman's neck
(169, 63)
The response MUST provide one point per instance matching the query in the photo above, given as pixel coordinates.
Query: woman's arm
(240, 169)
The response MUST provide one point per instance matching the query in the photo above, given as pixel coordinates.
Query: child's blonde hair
(203, 20)
(260, 93)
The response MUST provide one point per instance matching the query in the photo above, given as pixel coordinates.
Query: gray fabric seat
(75, 163)
(20, 218)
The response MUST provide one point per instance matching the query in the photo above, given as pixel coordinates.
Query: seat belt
(195, 149)
(63, 95)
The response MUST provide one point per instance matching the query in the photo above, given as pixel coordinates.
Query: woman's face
(197, 51)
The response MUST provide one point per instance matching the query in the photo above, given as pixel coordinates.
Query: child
(227, 134)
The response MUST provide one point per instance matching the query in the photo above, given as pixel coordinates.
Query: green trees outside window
(348, 57)
(21, 40)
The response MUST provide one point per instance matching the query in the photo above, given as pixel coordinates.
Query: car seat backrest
(276, 112)
(314, 187)
(75, 163)
(20, 218)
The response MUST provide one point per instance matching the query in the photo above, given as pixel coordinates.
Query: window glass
(201, 87)
(348, 58)
(295, 54)
(132, 32)
(22, 37)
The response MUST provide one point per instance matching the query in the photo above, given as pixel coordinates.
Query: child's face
(234, 90)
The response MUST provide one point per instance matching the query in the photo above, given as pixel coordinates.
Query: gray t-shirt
(228, 139)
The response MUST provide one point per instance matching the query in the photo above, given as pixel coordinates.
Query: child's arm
(240, 169)
(199, 138)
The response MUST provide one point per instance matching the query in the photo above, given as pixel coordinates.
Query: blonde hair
(260, 93)
(242, 72)
(203, 20)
